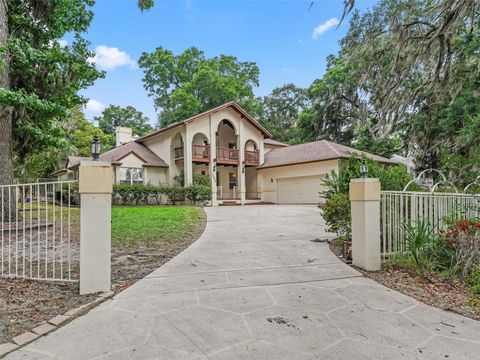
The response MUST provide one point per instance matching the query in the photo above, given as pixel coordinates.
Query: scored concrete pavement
(260, 284)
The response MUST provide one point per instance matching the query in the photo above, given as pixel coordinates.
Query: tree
(281, 110)
(81, 135)
(40, 78)
(114, 116)
(187, 84)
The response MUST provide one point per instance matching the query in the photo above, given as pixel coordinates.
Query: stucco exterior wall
(155, 176)
(268, 177)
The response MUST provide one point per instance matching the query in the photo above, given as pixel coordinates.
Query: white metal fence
(399, 207)
(40, 228)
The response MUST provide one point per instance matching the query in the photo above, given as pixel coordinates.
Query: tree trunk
(6, 134)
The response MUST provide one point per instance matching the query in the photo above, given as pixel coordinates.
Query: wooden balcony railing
(201, 153)
(179, 153)
(252, 157)
(227, 156)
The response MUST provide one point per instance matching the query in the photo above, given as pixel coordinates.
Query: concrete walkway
(257, 285)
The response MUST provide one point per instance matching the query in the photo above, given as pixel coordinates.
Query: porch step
(229, 203)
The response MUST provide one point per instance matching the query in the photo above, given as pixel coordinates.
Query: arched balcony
(200, 149)
(252, 155)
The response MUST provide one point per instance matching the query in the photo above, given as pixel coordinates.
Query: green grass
(137, 224)
(148, 224)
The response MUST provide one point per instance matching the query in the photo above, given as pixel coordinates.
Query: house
(244, 163)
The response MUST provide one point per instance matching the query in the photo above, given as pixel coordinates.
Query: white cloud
(63, 42)
(327, 25)
(94, 106)
(109, 58)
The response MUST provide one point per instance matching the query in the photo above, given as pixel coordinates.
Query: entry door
(300, 190)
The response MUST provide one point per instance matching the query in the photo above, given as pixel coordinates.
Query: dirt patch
(26, 303)
(447, 294)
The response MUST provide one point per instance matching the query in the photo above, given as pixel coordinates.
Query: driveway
(258, 284)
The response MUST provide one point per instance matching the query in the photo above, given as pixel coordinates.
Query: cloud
(108, 58)
(323, 27)
(289, 69)
(63, 42)
(94, 106)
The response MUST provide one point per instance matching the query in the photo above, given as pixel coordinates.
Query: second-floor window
(131, 176)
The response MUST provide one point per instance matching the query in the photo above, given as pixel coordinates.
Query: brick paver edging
(51, 325)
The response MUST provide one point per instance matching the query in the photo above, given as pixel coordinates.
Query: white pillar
(241, 166)
(187, 157)
(212, 166)
(365, 202)
(95, 188)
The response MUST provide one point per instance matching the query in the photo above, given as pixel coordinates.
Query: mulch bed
(26, 303)
(447, 294)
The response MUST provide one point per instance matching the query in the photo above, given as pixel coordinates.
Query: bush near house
(336, 210)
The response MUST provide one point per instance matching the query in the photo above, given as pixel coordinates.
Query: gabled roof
(272, 142)
(116, 155)
(312, 152)
(230, 104)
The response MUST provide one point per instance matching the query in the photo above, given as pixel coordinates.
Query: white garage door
(300, 190)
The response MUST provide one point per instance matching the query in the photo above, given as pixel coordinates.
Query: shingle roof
(274, 142)
(117, 154)
(230, 104)
(312, 152)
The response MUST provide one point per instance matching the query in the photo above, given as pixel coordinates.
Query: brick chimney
(123, 135)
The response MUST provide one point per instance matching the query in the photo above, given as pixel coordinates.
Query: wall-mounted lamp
(364, 169)
(243, 166)
(96, 147)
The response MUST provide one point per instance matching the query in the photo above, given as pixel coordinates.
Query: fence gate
(400, 207)
(40, 231)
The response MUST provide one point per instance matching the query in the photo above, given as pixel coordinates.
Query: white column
(95, 188)
(187, 157)
(241, 165)
(212, 166)
(365, 205)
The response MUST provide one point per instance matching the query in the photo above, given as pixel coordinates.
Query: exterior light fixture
(96, 147)
(243, 166)
(364, 169)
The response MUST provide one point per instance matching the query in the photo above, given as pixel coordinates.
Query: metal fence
(399, 207)
(40, 231)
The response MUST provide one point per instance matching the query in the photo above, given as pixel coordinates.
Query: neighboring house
(244, 163)
(409, 162)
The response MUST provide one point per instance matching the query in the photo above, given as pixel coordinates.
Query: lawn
(150, 224)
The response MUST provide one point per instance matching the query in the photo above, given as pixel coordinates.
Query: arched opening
(251, 163)
(227, 143)
(251, 153)
(177, 152)
(227, 157)
(200, 154)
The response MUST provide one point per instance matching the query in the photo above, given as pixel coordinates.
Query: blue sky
(288, 42)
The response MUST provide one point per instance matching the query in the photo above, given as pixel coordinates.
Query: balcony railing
(227, 156)
(252, 158)
(201, 153)
(179, 153)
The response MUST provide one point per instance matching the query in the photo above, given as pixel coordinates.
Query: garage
(300, 190)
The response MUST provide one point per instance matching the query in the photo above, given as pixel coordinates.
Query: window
(232, 180)
(131, 176)
(232, 145)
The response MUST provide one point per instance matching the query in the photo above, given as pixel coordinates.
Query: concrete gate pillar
(95, 188)
(365, 205)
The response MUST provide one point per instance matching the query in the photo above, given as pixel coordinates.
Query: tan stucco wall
(155, 176)
(268, 177)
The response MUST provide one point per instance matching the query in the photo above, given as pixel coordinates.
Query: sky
(288, 39)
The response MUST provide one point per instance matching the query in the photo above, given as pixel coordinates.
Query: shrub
(198, 193)
(464, 237)
(199, 179)
(337, 215)
(174, 193)
(419, 241)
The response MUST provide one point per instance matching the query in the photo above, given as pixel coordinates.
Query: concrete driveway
(259, 285)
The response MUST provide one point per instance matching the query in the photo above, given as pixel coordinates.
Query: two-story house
(244, 163)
